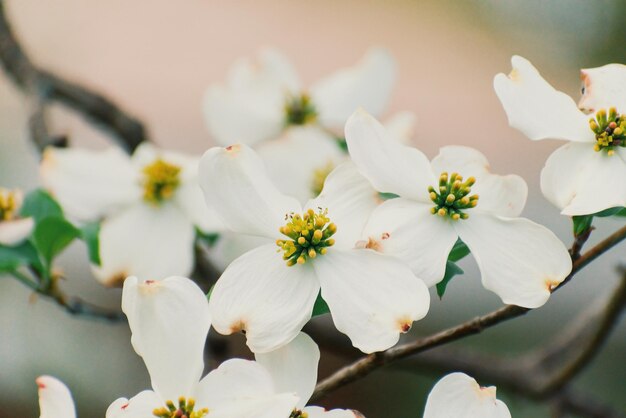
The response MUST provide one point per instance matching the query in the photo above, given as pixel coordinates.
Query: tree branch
(367, 364)
(44, 86)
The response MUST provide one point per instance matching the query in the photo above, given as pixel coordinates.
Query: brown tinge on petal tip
(404, 325)
(233, 148)
(238, 326)
(116, 280)
(40, 384)
(551, 284)
(514, 75)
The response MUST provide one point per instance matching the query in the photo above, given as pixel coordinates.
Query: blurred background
(156, 58)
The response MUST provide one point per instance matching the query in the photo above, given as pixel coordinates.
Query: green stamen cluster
(310, 235)
(610, 130)
(161, 179)
(299, 110)
(298, 414)
(10, 203)
(184, 409)
(452, 197)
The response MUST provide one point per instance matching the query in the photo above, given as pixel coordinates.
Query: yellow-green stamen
(299, 110)
(185, 409)
(610, 130)
(451, 199)
(161, 179)
(10, 203)
(319, 177)
(309, 236)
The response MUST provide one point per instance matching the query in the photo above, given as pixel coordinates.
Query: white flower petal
(145, 241)
(389, 165)
(593, 187)
(236, 184)
(373, 298)
(409, 231)
(55, 399)
(458, 395)
(90, 184)
(604, 87)
(350, 199)
(256, 93)
(15, 231)
(519, 260)
(292, 159)
(139, 406)
(242, 388)
(293, 367)
(169, 321)
(190, 199)
(260, 294)
(538, 110)
(402, 126)
(319, 412)
(368, 85)
(500, 195)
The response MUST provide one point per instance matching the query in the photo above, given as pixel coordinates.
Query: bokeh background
(156, 58)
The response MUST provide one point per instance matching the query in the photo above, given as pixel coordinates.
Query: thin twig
(367, 364)
(45, 86)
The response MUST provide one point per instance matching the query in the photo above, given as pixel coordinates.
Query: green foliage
(452, 269)
(38, 204)
(342, 144)
(583, 223)
(51, 236)
(210, 239)
(320, 307)
(12, 258)
(459, 251)
(90, 235)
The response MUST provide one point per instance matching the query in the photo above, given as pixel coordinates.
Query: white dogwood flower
(458, 395)
(55, 399)
(140, 199)
(269, 292)
(577, 177)
(169, 321)
(13, 229)
(455, 196)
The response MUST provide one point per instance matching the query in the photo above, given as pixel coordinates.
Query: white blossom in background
(578, 177)
(170, 321)
(149, 204)
(55, 399)
(455, 196)
(269, 292)
(458, 395)
(13, 229)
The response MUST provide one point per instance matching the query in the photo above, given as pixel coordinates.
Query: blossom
(577, 177)
(13, 228)
(169, 321)
(150, 204)
(455, 196)
(55, 399)
(269, 292)
(458, 395)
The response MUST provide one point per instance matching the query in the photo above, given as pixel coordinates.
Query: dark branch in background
(367, 364)
(46, 87)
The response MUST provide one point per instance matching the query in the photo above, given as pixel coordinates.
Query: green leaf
(11, 258)
(89, 234)
(342, 144)
(209, 238)
(581, 223)
(320, 307)
(616, 211)
(208, 295)
(621, 212)
(39, 204)
(459, 251)
(451, 270)
(52, 235)
(387, 196)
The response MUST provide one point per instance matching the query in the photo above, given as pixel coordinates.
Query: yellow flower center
(299, 110)
(451, 199)
(296, 413)
(10, 203)
(319, 177)
(610, 130)
(185, 409)
(161, 179)
(309, 235)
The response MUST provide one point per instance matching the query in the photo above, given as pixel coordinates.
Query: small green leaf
(342, 144)
(320, 307)
(39, 205)
(616, 211)
(208, 295)
(89, 234)
(459, 251)
(581, 223)
(387, 196)
(451, 270)
(11, 258)
(621, 212)
(52, 235)
(209, 238)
